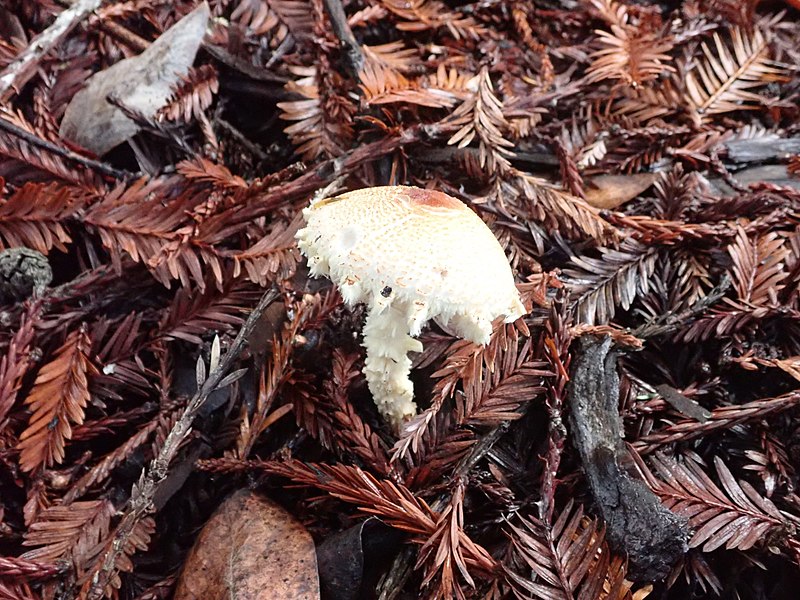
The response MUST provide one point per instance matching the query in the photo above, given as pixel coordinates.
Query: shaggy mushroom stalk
(410, 255)
(388, 366)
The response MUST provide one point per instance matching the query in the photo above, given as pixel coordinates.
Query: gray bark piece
(23, 273)
(143, 83)
(762, 149)
(637, 523)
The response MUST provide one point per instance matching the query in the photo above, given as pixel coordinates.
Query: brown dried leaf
(16, 358)
(424, 15)
(165, 224)
(611, 191)
(193, 93)
(16, 591)
(103, 469)
(481, 116)
(600, 285)
(317, 129)
(572, 217)
(566, 559)
(21, 569)
(394, 503)
(758, 271)
(111, 556)
(383, 83)
(250, 547)
(790, 365)
(23, 160)
(273, 257)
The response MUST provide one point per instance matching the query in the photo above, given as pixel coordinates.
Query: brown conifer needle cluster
(638, 163)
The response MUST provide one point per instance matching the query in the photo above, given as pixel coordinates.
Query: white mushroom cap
(410, 255)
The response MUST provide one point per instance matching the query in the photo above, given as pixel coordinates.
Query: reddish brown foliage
(161, 248)
(57, 402)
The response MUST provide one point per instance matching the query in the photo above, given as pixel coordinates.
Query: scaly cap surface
(418, 247)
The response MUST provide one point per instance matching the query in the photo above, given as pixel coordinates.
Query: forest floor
(182, 406)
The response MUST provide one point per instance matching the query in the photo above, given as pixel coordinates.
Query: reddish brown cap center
(432, 199)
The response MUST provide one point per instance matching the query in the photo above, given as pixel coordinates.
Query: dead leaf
(345, 558)
(143, 83)
(611, 191)
(250, 549)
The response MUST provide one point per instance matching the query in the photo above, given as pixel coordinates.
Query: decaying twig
(68, 154)
(141, 502)
(724, 417)
(762, 149)
(354, 58)
(668, 322)
(15, 75)
(650, 535)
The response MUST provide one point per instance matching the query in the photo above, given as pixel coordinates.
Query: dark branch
(651, 536)
(68, 154)
(354, 58)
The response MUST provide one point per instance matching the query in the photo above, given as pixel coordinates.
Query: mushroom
(410, 255)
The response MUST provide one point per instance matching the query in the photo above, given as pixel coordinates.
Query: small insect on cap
(410, 255)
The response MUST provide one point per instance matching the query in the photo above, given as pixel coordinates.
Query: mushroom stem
(387, 366)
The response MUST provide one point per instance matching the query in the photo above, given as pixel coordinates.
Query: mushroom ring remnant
(410, 255)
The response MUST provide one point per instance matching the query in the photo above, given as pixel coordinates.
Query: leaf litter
(638, 164)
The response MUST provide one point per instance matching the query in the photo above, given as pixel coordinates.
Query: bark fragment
(23, 273)
(652, 537)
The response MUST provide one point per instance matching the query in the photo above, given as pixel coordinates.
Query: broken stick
(23, 67)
